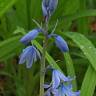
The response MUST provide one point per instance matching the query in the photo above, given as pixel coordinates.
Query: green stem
(42, 69)
(42, 73)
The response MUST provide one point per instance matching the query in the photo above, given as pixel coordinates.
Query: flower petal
(29, 56)
(61, 44)
(73, 93)
(30, 36)
(55, 79)
(63, 77)
(37, 53)
(30, 59)
(55, 92)
(48, 7)
(46, 86)
(52, 6)
(48, 92)
(44, 7)
(29, 62)
(24, 54)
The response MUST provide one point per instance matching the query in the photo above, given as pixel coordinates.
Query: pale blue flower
(48, 7)
(62, 90)
(57, 77)
(50, 90)
(29, 55)
(60, 85)
(66, 90)
(61, 43)
(46, 86)
(31, 35)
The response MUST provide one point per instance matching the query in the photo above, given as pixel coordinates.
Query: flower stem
(42, 69)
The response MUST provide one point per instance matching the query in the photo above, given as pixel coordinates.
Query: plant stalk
(42, 69)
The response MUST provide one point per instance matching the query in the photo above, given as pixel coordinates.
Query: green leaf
(85, 13)
(66, 20)
(11, 24)
(5, 5)
(70, 7)
(8, 46)
(89, 83)
(85, 45)
(89, 50)
(65, 7)
(22, 13)
(83, 23)
(70, 69)
(35, 12)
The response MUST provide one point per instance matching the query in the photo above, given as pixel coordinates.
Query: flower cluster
(60, 85)
(29, 54)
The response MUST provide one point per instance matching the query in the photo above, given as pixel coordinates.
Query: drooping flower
(66, 90)
(60, 85)
(30, 36)
(62, 90)
(57, 77)
(48, 7)
(61, 44)
(29, 55)
(50, 90)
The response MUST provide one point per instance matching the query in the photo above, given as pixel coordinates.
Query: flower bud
(30, 36)
(61, 44)
(48, 7)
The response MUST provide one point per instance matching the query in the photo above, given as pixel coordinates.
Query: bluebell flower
(48, 7)
(60, 85)
(61, 43)
(62, 90)
(50, 90)
(29, 55)
(30, 36)
(57, 77)
(66, 90)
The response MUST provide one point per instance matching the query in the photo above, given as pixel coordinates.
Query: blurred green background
(75, 17)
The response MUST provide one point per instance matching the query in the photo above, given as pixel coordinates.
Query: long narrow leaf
(9, 46)
(89, 83)
(70, 69)
(85, 45)
(5, 5)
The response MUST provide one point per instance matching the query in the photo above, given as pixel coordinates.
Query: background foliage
(77, 24)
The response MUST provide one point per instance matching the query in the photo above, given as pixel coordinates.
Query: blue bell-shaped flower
(30, 36)
(29, 55)
(66, 90)
(57, 77)
(61, 44)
